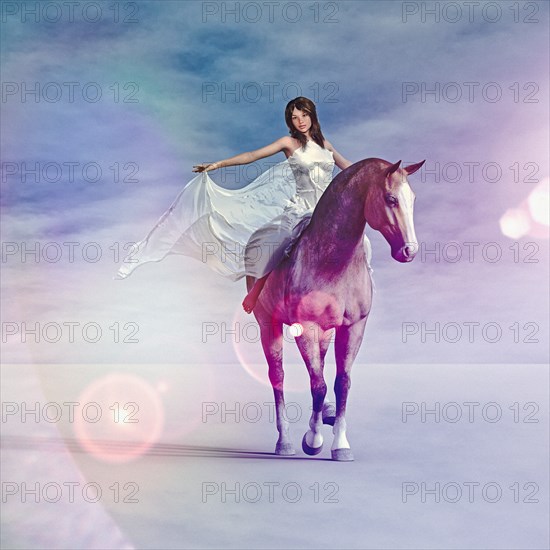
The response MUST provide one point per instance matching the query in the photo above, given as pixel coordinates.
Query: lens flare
(122, 417)
(249, 351)
(247, 341)
(539, 203)
(515, 223)
(296, 329)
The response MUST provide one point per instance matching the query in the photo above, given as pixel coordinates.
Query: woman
(248, 231)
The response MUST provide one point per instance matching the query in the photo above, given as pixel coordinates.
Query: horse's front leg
(312, 345)
(346, 346)
(272, 342)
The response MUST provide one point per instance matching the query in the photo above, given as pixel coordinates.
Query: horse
(324, 285)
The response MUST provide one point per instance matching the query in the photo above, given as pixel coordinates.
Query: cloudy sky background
(353, 62)
(355, 68)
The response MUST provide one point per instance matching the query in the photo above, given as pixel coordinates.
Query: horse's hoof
(342, 455)
(310, 450)
(329, 413)
(284, 449)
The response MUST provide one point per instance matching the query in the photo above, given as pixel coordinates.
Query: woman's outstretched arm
(339, 160)
(281, 144)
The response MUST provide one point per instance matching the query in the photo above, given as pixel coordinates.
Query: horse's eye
(391, 200)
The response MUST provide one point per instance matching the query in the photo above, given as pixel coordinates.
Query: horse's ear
(411, 169)
(391, 169)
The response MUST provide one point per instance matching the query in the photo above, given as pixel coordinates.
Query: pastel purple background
(354, 64)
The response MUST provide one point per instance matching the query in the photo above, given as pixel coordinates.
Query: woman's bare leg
(252, 297)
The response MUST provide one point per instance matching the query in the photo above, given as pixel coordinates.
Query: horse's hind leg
(272, 342)
(309, 344)
(347, 344)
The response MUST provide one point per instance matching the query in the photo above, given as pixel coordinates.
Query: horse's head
(389, 209)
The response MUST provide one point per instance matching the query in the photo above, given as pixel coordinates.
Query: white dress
(245, 231)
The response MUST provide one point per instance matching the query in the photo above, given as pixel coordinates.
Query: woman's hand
(205, 167)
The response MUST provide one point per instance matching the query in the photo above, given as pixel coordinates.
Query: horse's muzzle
(405, 253)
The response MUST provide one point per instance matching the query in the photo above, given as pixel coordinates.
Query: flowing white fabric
(240, 232)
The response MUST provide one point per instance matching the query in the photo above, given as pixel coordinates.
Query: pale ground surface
(192, 456)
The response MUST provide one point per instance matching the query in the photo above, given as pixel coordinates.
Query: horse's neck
(339, 221)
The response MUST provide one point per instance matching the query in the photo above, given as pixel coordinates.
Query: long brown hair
(306, 105)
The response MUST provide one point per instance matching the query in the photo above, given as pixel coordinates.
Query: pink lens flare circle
(247, 345)
(122, 417)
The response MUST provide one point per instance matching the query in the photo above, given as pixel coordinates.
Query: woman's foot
(249, 302)
(252, 297)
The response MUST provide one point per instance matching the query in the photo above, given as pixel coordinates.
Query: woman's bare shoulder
(287, 141)
(288, 144)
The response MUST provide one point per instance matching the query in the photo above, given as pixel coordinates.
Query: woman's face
(301, 121)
